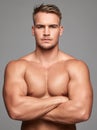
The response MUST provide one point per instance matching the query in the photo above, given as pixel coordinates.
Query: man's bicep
(80, 88)
(14, 84)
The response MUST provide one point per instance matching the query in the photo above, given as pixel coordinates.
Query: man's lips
(46, 39)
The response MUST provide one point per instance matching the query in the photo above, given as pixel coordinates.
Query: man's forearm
(28, 108)
(67, 113)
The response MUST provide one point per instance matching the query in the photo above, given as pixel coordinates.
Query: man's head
(49, 8)
(47, 28)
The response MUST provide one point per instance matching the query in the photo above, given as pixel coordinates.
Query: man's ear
(33, 30)
(61, 30)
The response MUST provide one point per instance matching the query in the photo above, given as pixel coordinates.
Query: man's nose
(46, 31)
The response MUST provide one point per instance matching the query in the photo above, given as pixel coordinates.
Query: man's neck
(47, 57)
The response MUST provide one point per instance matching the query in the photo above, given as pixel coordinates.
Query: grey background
(79, 39)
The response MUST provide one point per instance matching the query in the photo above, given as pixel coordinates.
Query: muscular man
(47, 89)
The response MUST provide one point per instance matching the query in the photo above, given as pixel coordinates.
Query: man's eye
(39, 26)
(53, 26)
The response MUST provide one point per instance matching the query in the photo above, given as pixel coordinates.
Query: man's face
(47, 30)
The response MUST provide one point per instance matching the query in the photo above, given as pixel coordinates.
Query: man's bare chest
(43, 82)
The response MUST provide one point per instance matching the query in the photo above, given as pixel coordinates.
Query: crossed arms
(68, 110)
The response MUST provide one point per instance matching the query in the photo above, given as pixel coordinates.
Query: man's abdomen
(46, 125)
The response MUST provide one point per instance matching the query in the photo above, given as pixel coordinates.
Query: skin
(48, 89)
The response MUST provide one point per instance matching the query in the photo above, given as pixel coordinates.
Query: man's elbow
(14, 114)
(84, 115)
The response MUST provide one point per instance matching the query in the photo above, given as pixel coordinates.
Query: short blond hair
(47, 8)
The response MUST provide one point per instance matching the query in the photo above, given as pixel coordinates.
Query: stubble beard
(47, 48)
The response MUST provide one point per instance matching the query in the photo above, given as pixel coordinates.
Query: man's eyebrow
(56, 25)
(39, 25)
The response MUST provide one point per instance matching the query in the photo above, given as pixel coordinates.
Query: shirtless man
(47, 89)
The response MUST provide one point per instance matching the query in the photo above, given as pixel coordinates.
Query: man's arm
(19, 105)
(78, 107)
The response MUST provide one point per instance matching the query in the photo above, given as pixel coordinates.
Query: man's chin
(45, 48)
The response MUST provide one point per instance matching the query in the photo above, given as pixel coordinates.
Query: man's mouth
(46, 39)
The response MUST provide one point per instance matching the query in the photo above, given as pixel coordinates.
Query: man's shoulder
(73, 63)
(16, 65)
(22, 61)
(71, 59)
(75, 66)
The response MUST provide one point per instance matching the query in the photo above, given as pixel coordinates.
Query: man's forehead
(49, 25)
(43, 17)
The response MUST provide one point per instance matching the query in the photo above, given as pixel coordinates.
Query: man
(48, 89)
